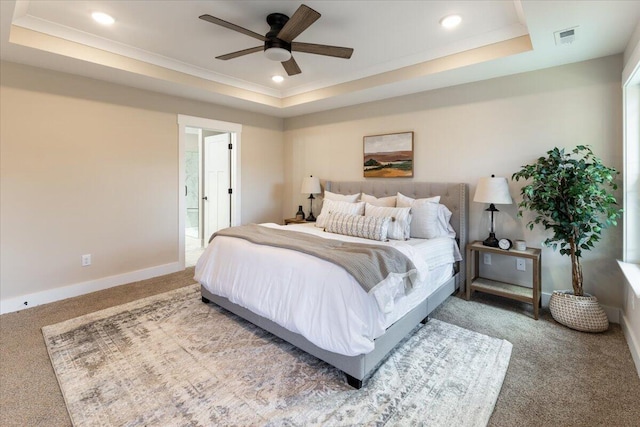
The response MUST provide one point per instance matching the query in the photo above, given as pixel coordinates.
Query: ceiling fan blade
(233, 27)
(300, 21)
(322, 49)
(291, 67)
(241, 53)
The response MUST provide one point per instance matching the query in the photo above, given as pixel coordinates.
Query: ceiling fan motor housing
(276, 21)
(275, 42)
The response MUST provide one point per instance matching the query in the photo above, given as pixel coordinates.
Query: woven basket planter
(581, 313)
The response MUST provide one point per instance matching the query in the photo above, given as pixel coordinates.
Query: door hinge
(230, 191)
(230, 146)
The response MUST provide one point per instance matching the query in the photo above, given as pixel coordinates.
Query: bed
(356, 356)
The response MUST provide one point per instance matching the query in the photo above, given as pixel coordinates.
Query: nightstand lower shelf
(503, 289)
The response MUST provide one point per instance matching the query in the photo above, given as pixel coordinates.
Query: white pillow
(367, 227)
(399, 228)
(404, 201)
(430, 220)
(351, 198)
(444, 222)
(382, 201)
(336, 206)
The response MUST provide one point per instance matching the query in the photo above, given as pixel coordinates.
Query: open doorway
(209, 182)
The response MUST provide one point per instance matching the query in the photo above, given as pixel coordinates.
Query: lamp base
(311, 218)
(491, 241)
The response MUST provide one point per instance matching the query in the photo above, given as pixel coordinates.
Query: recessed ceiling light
(450, 21)
(102, 18)
(277, 79)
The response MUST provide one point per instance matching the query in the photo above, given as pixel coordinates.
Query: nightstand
(288, 221)
(507, 290)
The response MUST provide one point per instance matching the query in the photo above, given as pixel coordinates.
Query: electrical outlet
(487, 259)
(520, 264)
(86, 260)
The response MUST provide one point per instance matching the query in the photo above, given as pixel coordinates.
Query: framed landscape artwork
(388, 156)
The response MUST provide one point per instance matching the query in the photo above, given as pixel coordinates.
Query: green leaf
(569, 192)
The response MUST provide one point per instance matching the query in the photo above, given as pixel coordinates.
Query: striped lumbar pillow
(367, 227)
(400, 227)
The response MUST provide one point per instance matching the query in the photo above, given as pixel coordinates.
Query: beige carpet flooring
(556, 377)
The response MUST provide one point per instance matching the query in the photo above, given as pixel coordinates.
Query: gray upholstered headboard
(452, 195)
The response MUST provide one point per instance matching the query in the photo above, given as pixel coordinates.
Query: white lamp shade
(311, 185)
(493, 190)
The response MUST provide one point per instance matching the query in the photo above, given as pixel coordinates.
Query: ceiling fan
(278, 42)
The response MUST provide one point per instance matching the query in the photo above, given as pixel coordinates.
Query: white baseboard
(544, 299)
(634, 345)
(613, 313)
(10, 305)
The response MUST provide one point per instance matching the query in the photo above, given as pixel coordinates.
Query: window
(631, 96)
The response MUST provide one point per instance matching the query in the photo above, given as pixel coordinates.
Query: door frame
(235, 130)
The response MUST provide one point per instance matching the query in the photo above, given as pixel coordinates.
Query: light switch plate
(487, 259)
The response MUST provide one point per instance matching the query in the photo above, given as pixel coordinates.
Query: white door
(217, 172)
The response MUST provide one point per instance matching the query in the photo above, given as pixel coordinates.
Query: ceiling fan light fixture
(277, 54)
(451, 21)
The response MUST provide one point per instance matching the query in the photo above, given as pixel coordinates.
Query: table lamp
(311, 186)
(494, 190)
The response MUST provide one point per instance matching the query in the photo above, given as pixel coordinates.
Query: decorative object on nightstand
(300, 213)
(493, 191)
(505, 244)
(580, 180)
(311, 186)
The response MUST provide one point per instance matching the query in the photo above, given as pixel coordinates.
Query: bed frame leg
(354, 382)
(425, 320)
(205, 300)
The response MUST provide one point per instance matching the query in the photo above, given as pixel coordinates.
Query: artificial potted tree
(569, 192)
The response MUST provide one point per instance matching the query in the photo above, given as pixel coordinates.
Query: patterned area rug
(171, 360)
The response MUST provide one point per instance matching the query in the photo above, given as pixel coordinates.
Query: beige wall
(92, 167)
(479, 129)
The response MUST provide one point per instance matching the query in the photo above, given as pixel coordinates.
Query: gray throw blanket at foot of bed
(368, 264)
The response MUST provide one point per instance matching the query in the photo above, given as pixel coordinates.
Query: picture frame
(388, 156)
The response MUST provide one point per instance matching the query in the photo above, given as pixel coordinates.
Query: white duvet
(316, 298)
